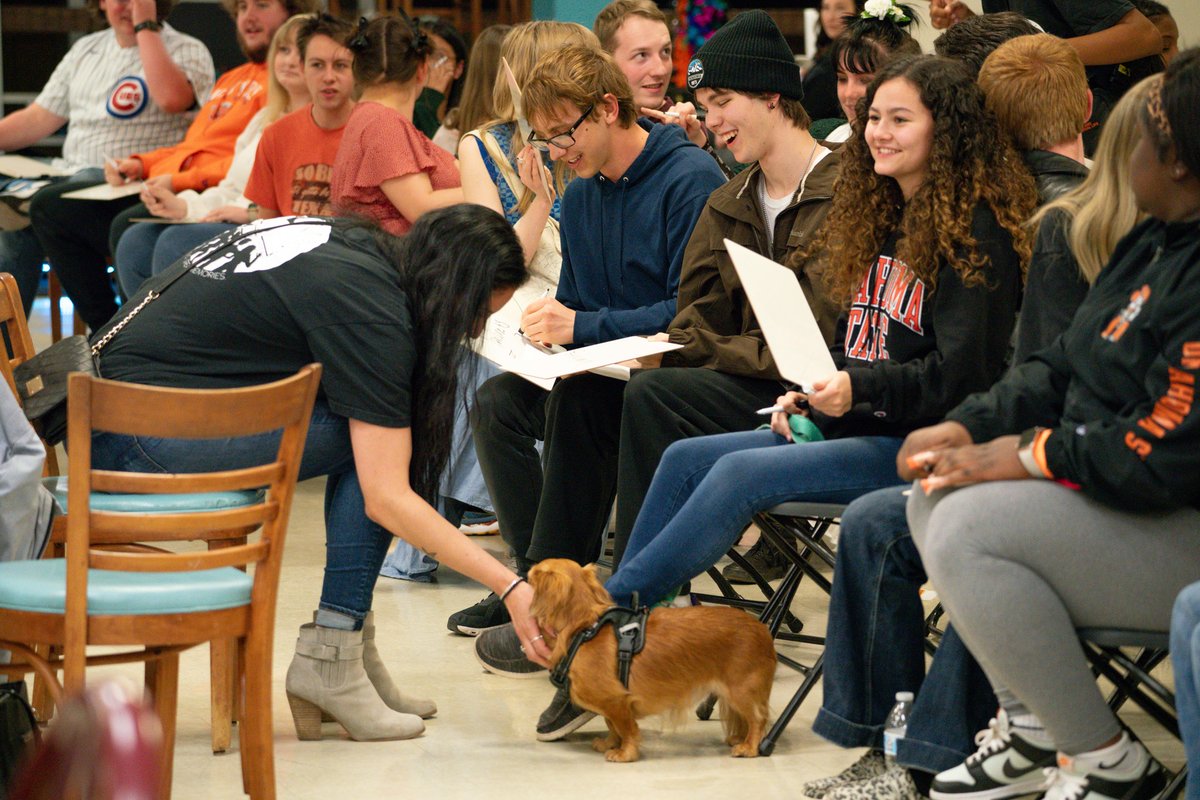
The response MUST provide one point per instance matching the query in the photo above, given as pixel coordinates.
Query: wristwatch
(1029, 461)
(148, 25)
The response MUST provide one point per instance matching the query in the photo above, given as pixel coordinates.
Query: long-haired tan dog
(689, 653)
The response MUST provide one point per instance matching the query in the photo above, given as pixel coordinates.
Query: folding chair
(1132, 680)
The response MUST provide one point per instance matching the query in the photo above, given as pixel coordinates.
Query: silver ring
(539, 636)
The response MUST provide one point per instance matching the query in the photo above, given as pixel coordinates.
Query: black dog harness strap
(629, 626)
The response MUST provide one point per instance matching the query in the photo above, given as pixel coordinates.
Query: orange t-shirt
(294, 166)
(380, 144)
(203, 157)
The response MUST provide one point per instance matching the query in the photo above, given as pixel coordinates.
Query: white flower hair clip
(884, 9)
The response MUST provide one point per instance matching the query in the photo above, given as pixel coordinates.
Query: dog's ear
(596, 589)
(551, 592)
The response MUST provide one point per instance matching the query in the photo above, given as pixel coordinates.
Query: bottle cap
(904, 697)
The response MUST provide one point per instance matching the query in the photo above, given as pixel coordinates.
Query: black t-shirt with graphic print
(260, 301)
(913, 352)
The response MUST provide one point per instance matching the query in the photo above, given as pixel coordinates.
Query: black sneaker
(561, 717)
(488, 613)
(499, 651)
(1134, 775)
(766, 560)
(1005, 765)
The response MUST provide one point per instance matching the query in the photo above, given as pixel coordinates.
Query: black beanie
(748, 54)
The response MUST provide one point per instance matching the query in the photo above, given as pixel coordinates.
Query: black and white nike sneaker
(1005, 765)
(1122, 771)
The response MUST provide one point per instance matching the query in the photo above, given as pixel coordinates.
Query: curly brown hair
(970, 162)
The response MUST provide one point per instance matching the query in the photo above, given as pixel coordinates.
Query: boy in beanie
(724, 371)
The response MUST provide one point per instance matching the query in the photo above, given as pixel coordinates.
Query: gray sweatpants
(1020, 565)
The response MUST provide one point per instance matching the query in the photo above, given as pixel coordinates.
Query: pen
(700, 115)
(112, 162)
(769, 410)
(545, 294)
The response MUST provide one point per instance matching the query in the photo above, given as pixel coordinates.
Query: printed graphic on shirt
(310, 190)
(1117, 326)
(889, 292)
(240, 92)
(260, 245)
(1175, 405)
(128, 97)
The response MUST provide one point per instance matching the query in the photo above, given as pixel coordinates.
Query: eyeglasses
(562, 140)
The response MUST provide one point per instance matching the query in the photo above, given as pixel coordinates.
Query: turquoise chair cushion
(158, 503)
(41, 586)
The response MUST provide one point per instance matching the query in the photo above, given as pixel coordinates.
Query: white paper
(582, 359)
(784, 315)
(23, 167)
(502, 342)
(105, 191)
(165, 221)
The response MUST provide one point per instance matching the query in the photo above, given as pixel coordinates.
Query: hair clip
(884, 10)
(1156, 112)
(359, 40)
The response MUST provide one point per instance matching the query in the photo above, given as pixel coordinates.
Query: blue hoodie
(623, 240)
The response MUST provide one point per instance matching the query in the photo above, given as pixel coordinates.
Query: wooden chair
(54, 292)
(162, 603)
(222, 655)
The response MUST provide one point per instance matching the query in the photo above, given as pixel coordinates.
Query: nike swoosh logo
(1114, 764)
(1009, 772)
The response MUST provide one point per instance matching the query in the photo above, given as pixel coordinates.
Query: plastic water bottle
(897, 724)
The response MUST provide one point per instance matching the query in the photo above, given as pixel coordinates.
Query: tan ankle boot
(327, 674)
(377, 672)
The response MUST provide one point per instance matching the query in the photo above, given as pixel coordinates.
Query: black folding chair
(1130, 675)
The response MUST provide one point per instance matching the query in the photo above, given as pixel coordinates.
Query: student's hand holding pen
(548, 321)
(119, 173)
(790, 403)
(685, 116)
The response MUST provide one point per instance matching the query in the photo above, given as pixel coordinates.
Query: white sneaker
(1123, 771)
(1005, 765)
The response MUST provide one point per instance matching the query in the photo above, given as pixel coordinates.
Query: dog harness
(630, 629)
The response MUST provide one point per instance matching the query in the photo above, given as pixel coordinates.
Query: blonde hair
(522, 47)
(277, 96)
(475, 108)
(613, 16)
(581, 77)
(1102, 209)
(1038, 90)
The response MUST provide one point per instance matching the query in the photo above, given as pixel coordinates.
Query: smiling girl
(925, 248)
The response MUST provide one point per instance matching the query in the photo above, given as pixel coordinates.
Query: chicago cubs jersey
(100, 87)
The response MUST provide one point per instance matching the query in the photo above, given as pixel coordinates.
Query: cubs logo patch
(128, 97)
(695, 73)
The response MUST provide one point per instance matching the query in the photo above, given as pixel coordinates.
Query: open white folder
(784, 315)
(23, 167)
(503, 345)
(105, 191)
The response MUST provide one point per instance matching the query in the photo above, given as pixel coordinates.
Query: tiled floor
(481, 743)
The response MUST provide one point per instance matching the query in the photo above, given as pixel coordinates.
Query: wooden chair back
(96, 404)
(17, 345)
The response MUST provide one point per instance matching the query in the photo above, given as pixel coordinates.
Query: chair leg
(222, 656)
(255, 729)
(162, 682)
(43, 700)
(54, 291)
(223, 675)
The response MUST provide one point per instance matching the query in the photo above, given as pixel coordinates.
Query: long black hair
(450, 262)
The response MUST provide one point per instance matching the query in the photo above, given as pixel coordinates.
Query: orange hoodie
(203, 157)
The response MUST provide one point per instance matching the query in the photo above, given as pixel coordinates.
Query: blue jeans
(354, 545)
(874, 646)
(1185, 657)
(148, 248)
(707, 489)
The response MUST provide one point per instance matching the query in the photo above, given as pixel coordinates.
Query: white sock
(1030, 728)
